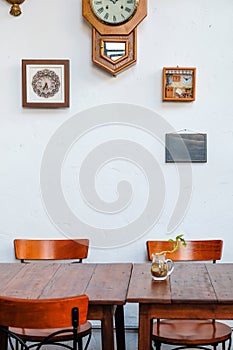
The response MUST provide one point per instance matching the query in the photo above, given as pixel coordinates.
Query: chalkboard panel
(186, 148)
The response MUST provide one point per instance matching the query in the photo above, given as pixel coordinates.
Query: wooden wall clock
(114, 35)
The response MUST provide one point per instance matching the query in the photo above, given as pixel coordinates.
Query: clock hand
(45, 86)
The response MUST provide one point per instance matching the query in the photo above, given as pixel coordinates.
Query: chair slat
(42, 313)
(35, 249)
(196, 250)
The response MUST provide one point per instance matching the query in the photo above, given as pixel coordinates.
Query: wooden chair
(33, 249)
(51, 249)
(63, 317)
(190, 333)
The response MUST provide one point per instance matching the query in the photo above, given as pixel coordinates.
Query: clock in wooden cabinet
(114, 31)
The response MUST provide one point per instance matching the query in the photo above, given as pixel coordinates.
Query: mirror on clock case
(113, 50)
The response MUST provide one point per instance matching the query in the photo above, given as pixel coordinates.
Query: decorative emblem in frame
(179, 84)
(45, 83)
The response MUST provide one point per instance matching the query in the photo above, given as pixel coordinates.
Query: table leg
(120, 327)
(107, 332)
(105, 314)
(145, 328)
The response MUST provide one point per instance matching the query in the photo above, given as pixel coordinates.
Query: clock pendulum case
(114, 31)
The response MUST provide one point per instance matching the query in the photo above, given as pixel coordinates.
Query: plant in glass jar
(161, 267)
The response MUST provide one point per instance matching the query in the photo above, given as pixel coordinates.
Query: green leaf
(176, 246)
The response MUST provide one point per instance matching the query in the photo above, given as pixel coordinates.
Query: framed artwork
(179, 84)
(186, 148)
(45, 83)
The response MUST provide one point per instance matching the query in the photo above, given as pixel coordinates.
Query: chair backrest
(57, 249)
(42, 313)
(196, 250)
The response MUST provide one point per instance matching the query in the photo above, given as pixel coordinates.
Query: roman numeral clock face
(114, 11)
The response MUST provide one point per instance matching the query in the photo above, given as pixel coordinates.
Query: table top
(103, 283)
(189, 283)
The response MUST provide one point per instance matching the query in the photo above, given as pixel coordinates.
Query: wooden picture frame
(186, 148)
(179, 84)
(45, 83)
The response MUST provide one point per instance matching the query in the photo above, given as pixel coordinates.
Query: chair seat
(37, 335)
(190, 332)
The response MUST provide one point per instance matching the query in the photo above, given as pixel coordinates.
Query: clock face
(187, 79)
(46, 83)
(114, 11)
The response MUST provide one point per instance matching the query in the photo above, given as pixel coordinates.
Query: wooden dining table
(193, 290)
(105, 284)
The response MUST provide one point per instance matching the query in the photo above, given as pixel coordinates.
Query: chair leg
(157, 345)
(15, 344)
(88, 341)
(229, 344)
(80, 344)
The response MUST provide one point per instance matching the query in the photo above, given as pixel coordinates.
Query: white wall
(185, 33)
